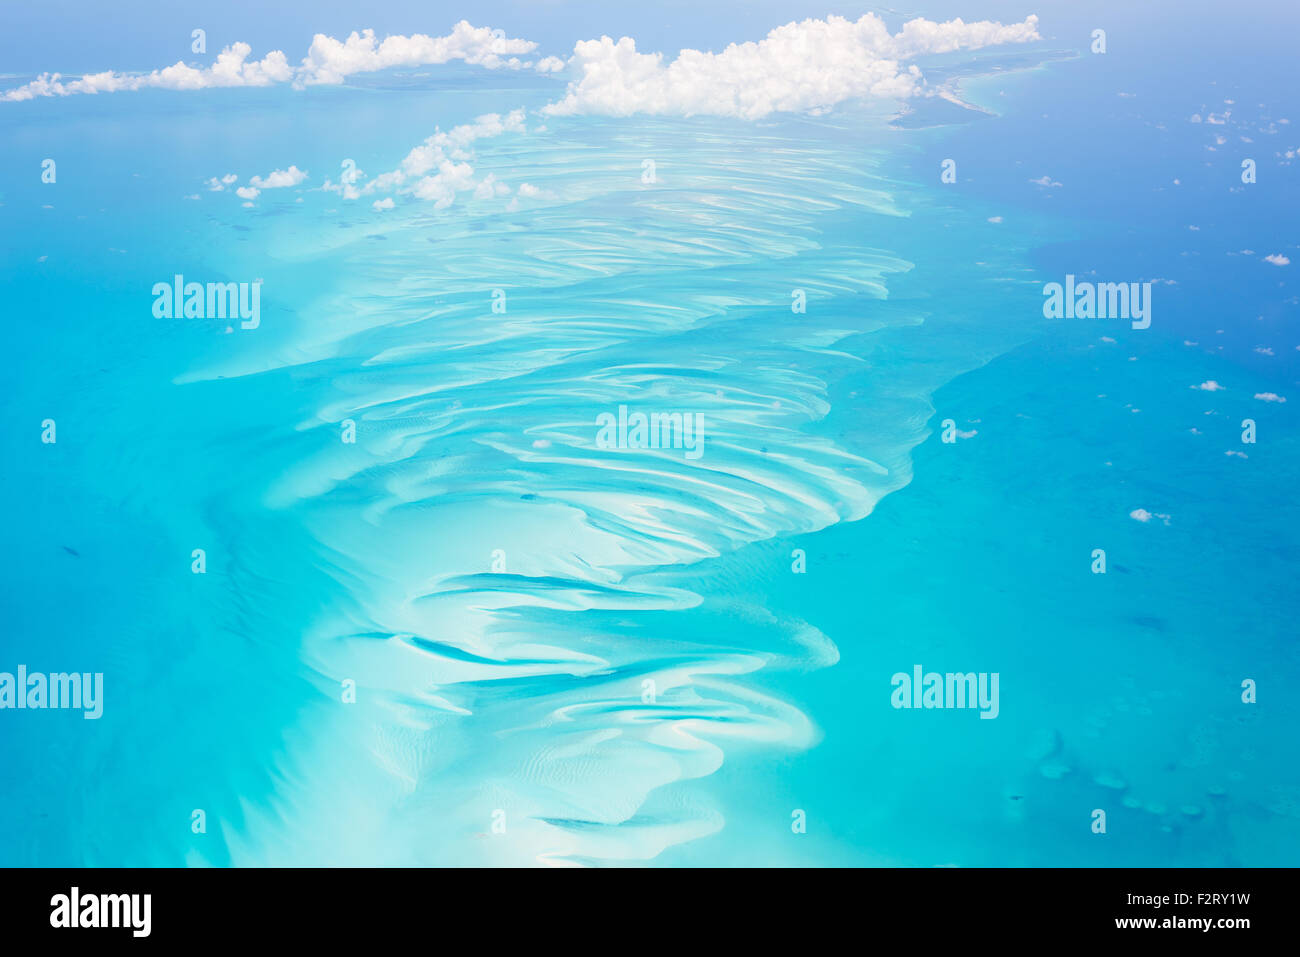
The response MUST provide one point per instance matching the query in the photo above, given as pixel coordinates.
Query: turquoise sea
(474, 636)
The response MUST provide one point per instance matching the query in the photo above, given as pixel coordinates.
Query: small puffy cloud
(217, 185)
(455, 143)
(331, 61)
(348, 190)
(995, 219)
(438, 169)
(529, 191)
(1277, 259)
(279, 178)
(247, 192)
(489, 187)
(801, 67)
(1044, 181)
(1142, 515)
(382, 204)
(442, 186)
(1209, 386)
(1269, 397)
(550, 64)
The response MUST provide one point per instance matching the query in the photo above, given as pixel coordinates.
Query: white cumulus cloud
(438, 169)
(490, 187)
(280, 178)
(800, 67)
(231, 68)
(328, 60)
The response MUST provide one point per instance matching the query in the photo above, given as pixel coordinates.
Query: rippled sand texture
(500, 588)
